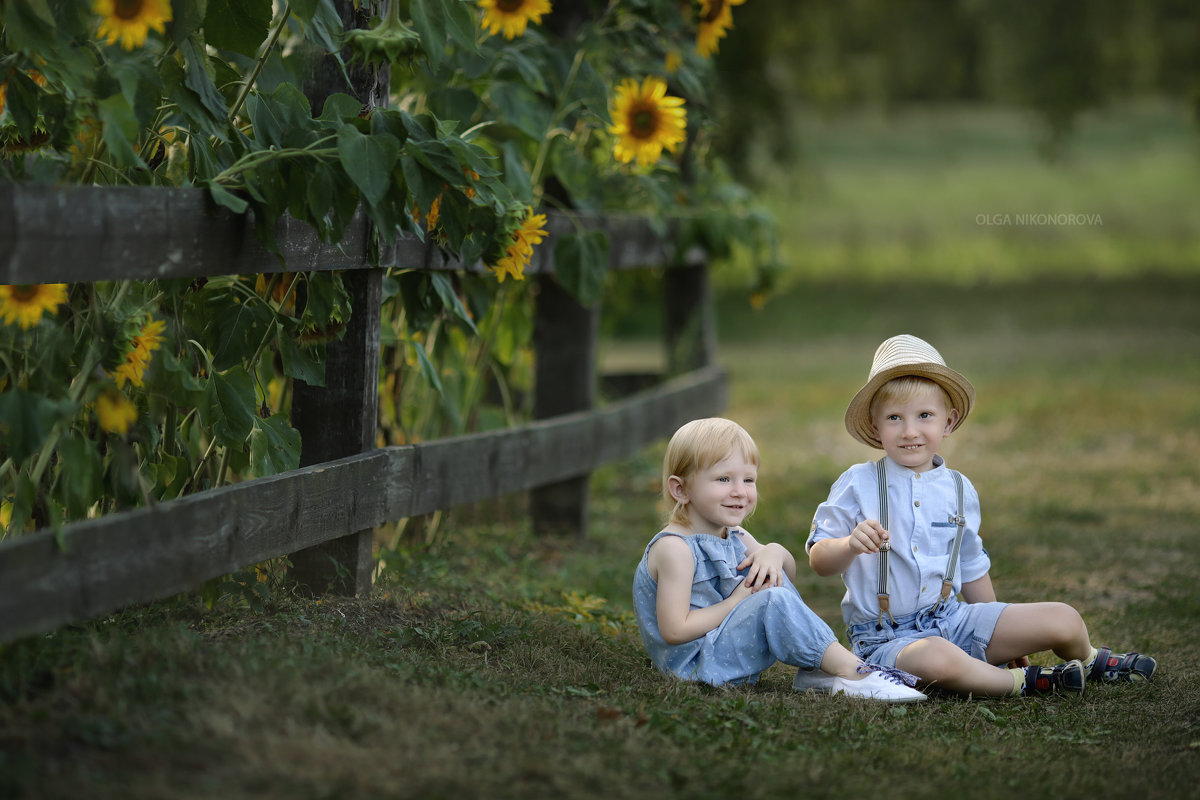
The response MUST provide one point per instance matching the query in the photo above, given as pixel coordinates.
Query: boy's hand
(867, 537)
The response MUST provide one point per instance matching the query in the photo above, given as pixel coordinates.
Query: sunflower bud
(390, 41)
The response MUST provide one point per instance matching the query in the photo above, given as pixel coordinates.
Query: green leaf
(274, 446)
(120, 130)
(520, 107)
(580, 262)
(368, 160)
(199, 77)
(224, 197)
(460, 24)
(238, 25)
(78, 484)
(427, 368)
(233, 392)
(445, 290)
(26, 419)
(431, 25)
(303, 363)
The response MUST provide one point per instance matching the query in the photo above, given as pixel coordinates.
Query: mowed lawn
(489, 664)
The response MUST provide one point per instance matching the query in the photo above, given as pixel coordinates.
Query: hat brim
(858, 413)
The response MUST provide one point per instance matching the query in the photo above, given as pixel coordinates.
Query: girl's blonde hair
(698, 445)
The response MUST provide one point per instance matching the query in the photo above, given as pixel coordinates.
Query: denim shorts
(968, 625)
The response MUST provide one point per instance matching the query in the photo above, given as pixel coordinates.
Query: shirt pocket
(942, 535)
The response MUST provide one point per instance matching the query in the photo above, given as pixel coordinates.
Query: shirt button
(914, 548)
(917, 504)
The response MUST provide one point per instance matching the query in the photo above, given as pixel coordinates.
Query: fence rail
(329, 507)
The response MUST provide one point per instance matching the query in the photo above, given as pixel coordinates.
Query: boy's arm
(979, 590)
(834, 556)
(672, 563)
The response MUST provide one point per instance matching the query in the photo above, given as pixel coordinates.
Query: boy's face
(719, 497)
(912, 430)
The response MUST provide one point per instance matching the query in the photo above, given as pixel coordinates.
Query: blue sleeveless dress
(768, 626)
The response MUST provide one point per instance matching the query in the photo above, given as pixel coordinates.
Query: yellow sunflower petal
(25, 304)
(646, 120)
(115, 412)
(716, 17)
(130, 21)
(512, 16)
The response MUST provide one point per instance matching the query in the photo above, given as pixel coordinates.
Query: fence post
(691, 331)
(339, 419)
(564, 340)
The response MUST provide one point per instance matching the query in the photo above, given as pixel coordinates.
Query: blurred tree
(1057, 57)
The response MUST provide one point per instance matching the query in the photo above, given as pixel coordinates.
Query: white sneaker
(878, 684)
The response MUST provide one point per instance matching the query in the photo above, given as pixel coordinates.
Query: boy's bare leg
(1025, 628)
(943, 664)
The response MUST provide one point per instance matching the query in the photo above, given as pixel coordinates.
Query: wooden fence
(324, 512)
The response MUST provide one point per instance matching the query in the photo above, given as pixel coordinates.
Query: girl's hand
(765, 567)
(867, 537)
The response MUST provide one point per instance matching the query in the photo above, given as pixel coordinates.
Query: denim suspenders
(960, 522)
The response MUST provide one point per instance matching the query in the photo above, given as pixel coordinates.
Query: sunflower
(281, 291)
(646, 119)
(511, 16)
(25, 303)
(115, 412)
(130, 21)
(716, 17)
(141, 350)
(520, 248)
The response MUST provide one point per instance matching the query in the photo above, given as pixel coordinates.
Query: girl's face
(912, 430)
(719, 497)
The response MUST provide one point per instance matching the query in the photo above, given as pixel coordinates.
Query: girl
(712, 604)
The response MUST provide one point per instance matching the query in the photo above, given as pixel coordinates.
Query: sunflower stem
(268, 45)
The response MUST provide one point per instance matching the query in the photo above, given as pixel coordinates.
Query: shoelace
(892, 674)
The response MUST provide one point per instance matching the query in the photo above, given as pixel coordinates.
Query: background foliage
(412, 113)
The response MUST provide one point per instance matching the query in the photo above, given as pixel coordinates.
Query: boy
(907, 551)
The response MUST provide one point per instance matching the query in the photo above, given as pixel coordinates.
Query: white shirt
(921, 509)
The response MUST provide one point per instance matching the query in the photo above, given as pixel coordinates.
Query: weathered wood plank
(79, 234)
(155, 552)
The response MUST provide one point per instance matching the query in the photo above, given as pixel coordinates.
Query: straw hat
(900, 356)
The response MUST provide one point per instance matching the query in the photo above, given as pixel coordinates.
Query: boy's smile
(912, 430)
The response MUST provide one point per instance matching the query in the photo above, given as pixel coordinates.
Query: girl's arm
(672, 565)
(834, 556)
(766, 563)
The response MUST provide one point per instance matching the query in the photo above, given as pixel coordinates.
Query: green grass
(490, 664)
(967, 195)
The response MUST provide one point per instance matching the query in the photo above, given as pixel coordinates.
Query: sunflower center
(643, 123)
(714, 10)
(510, 6)
(128, 9)
(25, 293)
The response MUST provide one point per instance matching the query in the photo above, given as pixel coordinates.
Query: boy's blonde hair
(904, 389)
(698, 445)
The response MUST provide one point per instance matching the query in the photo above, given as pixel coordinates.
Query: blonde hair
(905, 388)
(696, 446)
